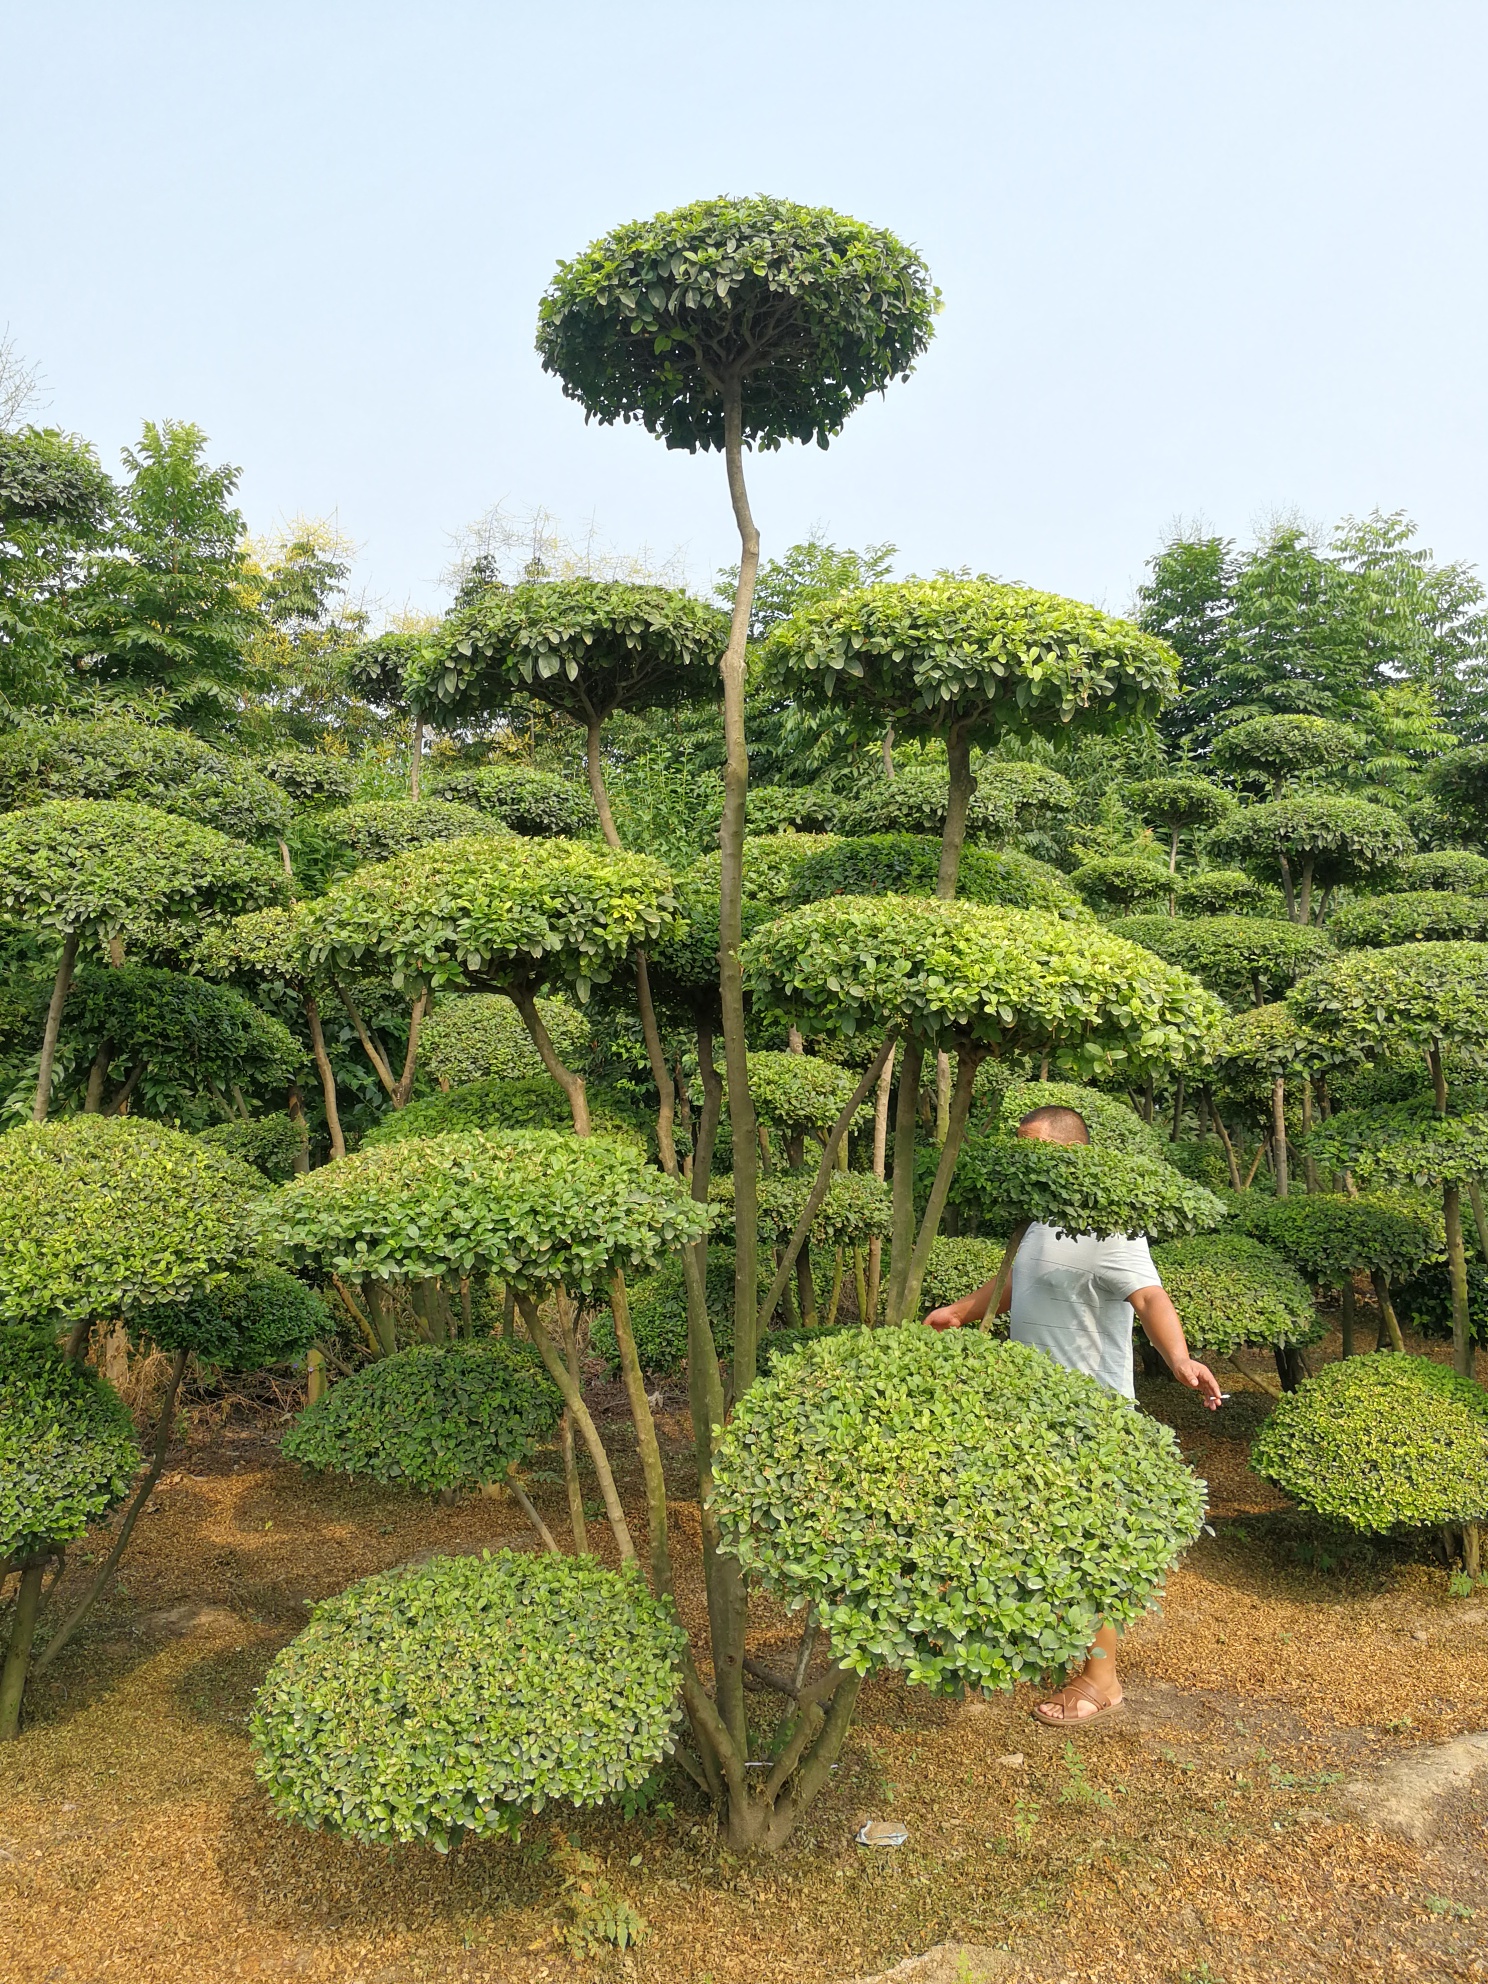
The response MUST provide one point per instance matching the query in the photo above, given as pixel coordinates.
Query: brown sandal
(1057, 1713)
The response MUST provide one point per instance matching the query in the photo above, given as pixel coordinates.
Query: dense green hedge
(1122, 881)
(1246, 958)
(104, 1215)
(1380, 1443)
(914, 802)
(658, 1317)
(273, 1145)
(1112, 1125)
(1423, 1301)
(1078, 1188)
(260, 1318)
(1226, 892)
(67, 1447)
(533, 1103)
(1452, 869)
(857, 1208)
(1229, 1290)
(540, 804)
(433, 1419)
(960, 1509)
(1406, 1145)
(465, 1695)
(378, 829)
(1331, 1238)
(908, 864)
(1420, 917)
(481, 1035)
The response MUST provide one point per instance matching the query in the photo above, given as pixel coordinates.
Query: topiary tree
(67, 1456)
(1376, 1004)
(383, 671)
(1422, 916)
(1231, 1290)
(481, 1036)
(260, 1317)
(1243, 958)
(799, 1095)
(1121, 882)
(1226, 892)
(1383, 1443)
(540, 804)
(1283, 749)
(1257, 1054)
(1324, 837)
(908, 865)
(380, 828)
(530, 1102)
(916, 800)
(311, 780)
(988, 1510)
(1453, 870)
(1178, 804)
(853, 1210)
(1331, 1238)
(1458, 780)
(274, 1146)
(103, 870)
(439, 1701)
(955, 1267)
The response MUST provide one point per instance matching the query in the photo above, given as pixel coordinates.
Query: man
(1074, 1299)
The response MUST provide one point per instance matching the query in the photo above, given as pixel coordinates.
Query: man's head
(1054, 1124)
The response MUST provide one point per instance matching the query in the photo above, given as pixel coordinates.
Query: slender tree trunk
(1288, 891)
(327, 1076)
(316, 1381)
(1309, 1168)
(18, 1653)
(1438, 1076)
(1462, 1346)
(573, 1398)
(958, 807)
(97, 1077)
(647, 1446)
(1348, 1316)
(1173, 851)
(731, 907)
(403, 1088)
(571, 1084)
(1278, 1137)
(594, 766)
(1389, 1321)
(968, 1063)
(416, 761)
(61, 985)
(942, 1096)
(880, 1167)
(1304, 904)
(120, 1103)
(384, 1316)
(1224, 1138)
(285, 863)
(661, 1073)
(1480, 1216)
(380, 1065)
(1177, 1110)
(888, 752)
(902, 1229)
(295, 1109)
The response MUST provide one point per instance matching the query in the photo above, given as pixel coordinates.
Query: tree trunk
(652, 1472)
(731, 907)
(901, 1232)
(384, 1318)
(958, 806)
(1462, 1347)
(942, 1096)
(1177, 1110)
(1278, 1137)
(1287, 890)
(968, 1063)
(61, 985)
(888, 752)
(1389, 1322)
(1304, 904)
(880, 1167)
(1224, 1137)
(18, 1653)
(327, 1076)
(97, 1077)
(1173, 851)
(316, 1383)
(661, 1073)
(1309, 1168)
(1291, 1366)
(416, 761)
(571, 1084)
(599, 792)
(1347, 1316)
(403, 1087)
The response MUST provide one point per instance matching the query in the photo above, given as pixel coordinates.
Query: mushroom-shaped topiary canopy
(1422, 916)
(465, 1695)
(260, 1317)
(1316, 840)
(1281, 748)
(1330, 1237)
(1381, 1443)
(523, 1102)
(908, 865)
(431, 1419)
(274, 1146)
(956, 1508)
(104, 1216)
(1226, 892)
(1251, 959)
(1122, 881)
(378, 829)
(1177, 804)
(1409, 1145)
(67, 1449)
(856, 1208)
(312, 780)
(540, 804)
(481, 1035)
(1453, 870)
(1380, 1003)
(916, 801)
(1002, 1183)
(1230, 1290)
(800, 1094)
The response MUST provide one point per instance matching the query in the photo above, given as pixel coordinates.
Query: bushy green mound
(435, 1419)
(1115, 882)
(465, 1695)
(799, 1094)
(1452, 869)
(1423, 916)
(532, 1102)
(955, 1268)
(311, 779)
(104, 1215)
(1245, 958)
(272, 1145)
(914, 802)
(960, 1509)
(907, 865)
(378, 829)
(1112, 1124)
(67, 1448)
(1001, 1181)
(1407, 1145)
(1230, 1290)
(1202, 1159)
(1227, 892)
(1331, 1238)
(482, 1035)
(658, 1317)
(1381, 1443)
(857, 1207)
(257, 1319)
(539, 804)
(776, 1344)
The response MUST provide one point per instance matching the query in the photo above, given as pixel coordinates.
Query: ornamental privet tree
(1117, 882)
(1231, 1290)
(1245, 959)
(1225, 892)
(902, 864)
(540, 804)
(1376, 1004)
(378, 829)
(1330, 1238)
(480, 1036)
(1316, 841)
(1259, 1051)
(1178, 804)
(499, 914)
(724, 325)
(1284, 749)
(104, 870)
(1421, 916)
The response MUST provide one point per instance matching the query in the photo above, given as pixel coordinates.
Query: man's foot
(1079, 1701)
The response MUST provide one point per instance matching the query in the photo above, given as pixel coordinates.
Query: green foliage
(811, 311)
(1179, 801)
(312, 779)
(684, 963)
(496, 912)
(56, 503)
(1381, 1443)
(536, 803)
(259, 1318)
(1010, 981)
(434, 1419)
(1252, 959)
(989, 658)
(1202, 1159)
(107, 868)
(908, 864)
(799, 1095)
(1231, 1290)
(1284, 747)
(103, 1216)
(582, 647)
(1112, 1125)
(1226, 892)
(192, 1036)
(1379, 1003)
(914, 801)
(273, 1145)
(457, 1697)
(67, 1449)
(1344, 840)
(1077, 1189)
(381, 828)
(119, 758)
(1452, 869)
(857, 1207)
(658, 1317)
(1373, 923)
(482, 1035)
(1121, 881)
(527, 1102)
(1406, 1145)
(804, 808)
(1459, 782)
(959, 1509)
(1330, 1238)
(957, 1267)
(1423, 1301)
(532, 1207)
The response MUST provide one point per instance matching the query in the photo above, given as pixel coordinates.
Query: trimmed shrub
(1112, 1124)
(192, 1036)
(1324, 835)
(1281, 747)
(1230, 1290)
(1424, 916)
(481, 1035)
(1227, 892)
(1178, 802)
(380, 828)
(959, 1509)
(67, 1448)
(1407, 1145)
(798, 1094)
(431, 1418)
(540, 804)
(908, 864)
(106, 1215)
(312, 780)
(658, 1317)
(777, 1344)
(535, 1103)
(1251, 959)
(914, 801)
(258, 1319)
(272, 1145)
(1452, 869)
(955, 1268)
(857, 1207)
(1381, 1443)
(1122, 881)
(1330, 1238)
(462, 1696)
(1077, 1189)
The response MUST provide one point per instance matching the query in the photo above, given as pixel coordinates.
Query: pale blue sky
(1215, 259)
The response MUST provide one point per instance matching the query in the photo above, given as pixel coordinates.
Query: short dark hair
(1060, 1125)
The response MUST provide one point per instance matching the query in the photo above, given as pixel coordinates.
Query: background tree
(1284, 749)
(1317, 841)
(1178, 804)
(56, 507)
(382, 672)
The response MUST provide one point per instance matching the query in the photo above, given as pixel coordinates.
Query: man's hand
(1199, 1378)
(948, 1318)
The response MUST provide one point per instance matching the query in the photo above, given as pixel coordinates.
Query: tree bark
(1304, 903)
(384, 1319)
(18, 1653)
(880, 1166)
(327, 1076)
(571, 1084)
(599, 792)
(958, 807)
(61, 985)
(1347, 1316)
(573, 1398)
(1288, 892)
(888, 752)
(1278, 1137)
(966, 1072)
(373, 1052)
(1389, 1321)
(901, 1233)
(1462, 1346)
(1173, 851)
(404, 1086)
(647, 1445)
(97, 1077)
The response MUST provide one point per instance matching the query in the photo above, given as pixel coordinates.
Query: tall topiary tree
(1242, 958)
(386, 671)
(1283, 749)
(1117, 883)
(1317, 841)
(104, 870)
(1330, 1238)
(1178, 804)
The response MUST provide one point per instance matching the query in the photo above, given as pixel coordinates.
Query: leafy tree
(909, 864)
(275, 1146)
(1424, 916)
(261, 1317)
(1451, 869)
(1121, 881)
(296, 689)
(378, 829)
(1245, 958)
(1284, 749)
(1460, 783)
(1179, 804)
(56, 506)
(386, 673)
(1231, 1290)
(1331, 840)
(107, 870)
(311, 780)
(1331, 1238)
(521, 797)
(1112, 1125)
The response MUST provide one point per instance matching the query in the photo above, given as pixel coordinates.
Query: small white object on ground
(881, 1832)
(1012, 1761)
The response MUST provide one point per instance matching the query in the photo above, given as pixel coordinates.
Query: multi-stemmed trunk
(61, 986)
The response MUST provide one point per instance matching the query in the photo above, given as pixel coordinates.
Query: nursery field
(1206, 1834)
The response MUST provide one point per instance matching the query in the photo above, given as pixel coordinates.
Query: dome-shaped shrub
(1380, 1443)
(539, 804)
(799, 1094)
(272, 1145)
(914, 801)
(1246, 958)
(1452, 869)
(1112, 1124)
(261, 1318)
(1330, 1238)
(534, 1102)
(960, 1509)
(67, 1448)
(434, 1419)
(1229, 1290)
(907, 865)
(1077, 1189)
(466, 1695)
(1227, 892)
(1115, 882)
(378, 829)
(857, 1207)
(1422, 916)
(482, 1035)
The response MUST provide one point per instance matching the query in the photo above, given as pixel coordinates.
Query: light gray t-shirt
(1070, 1300)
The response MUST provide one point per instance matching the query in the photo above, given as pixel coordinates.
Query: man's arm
(1158, 1317)
(971, 1308)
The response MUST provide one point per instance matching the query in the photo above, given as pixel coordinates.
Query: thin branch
(373, 1053)
(558, 1371)
(519, 1495)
